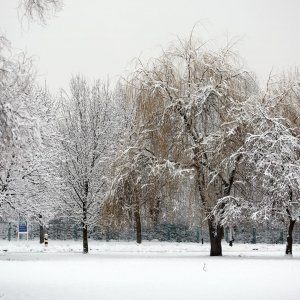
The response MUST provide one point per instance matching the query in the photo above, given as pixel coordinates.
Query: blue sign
(23, 228)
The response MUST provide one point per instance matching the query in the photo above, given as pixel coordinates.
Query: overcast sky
(100, 38)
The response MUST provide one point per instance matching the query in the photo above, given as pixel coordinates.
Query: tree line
(189, 135)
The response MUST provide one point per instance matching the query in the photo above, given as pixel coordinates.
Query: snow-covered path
(156, 271)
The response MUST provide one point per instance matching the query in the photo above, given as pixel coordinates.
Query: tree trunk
(289, 240)
(138, 226)
(137, 215)
(215, 234)
(84, 229)
(215, 231)
(84, 218)
(85, 239)
(41, 234)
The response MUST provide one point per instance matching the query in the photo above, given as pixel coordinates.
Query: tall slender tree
(86, 127)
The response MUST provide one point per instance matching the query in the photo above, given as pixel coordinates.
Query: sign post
(23, 229)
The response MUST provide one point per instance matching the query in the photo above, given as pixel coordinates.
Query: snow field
(153, 270)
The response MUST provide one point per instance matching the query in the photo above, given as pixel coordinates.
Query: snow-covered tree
(18, 130)
(274, 149)
(188, 104)
(270, 159)
(141, 193)
(87, 132)
(26, 132)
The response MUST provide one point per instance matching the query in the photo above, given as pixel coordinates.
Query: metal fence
(66, 229)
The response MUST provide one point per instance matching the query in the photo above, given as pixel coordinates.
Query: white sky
(99, 38)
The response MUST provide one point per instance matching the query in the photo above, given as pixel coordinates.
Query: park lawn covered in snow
(153, 270)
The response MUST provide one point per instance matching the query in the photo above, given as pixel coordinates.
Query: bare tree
(39, 10)
(86, 135)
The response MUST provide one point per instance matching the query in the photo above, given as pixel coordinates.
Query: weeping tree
(284, 99)
(188, 115)
(144, 188)
(273, 150)
(269, 160)
(39, 10)
(128, 189)
(141, 195)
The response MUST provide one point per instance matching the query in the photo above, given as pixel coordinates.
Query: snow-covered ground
(153, 270)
